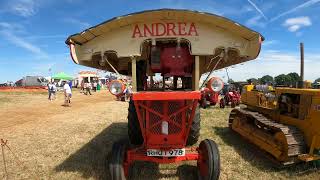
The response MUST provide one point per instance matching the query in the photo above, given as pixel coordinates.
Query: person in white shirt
(87, 88)
(49, 90)
(95, 86)
(53, 91)
(67, 94)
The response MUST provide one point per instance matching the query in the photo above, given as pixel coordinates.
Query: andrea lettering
(165, 29)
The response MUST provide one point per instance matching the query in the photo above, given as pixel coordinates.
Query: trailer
(164, 121)
(32, 81)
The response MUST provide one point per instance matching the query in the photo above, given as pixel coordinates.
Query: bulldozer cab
(298, 103)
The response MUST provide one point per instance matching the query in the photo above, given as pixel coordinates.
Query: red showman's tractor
(231, 97)
(209, 95)
(117, 87)
(156, 45)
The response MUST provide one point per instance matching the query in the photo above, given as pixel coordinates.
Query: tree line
(290, 79)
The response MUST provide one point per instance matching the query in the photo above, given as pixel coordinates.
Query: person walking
(95, 86)
(49, 90)
(128, 92)
(82, 87)
(67, 94)
(99, 85)
(70, 84)
(53, 91)
(88, 88)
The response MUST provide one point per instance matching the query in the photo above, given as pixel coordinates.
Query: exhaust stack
(301, 84)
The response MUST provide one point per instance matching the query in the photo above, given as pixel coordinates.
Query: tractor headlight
(215, 84)
(116, 87)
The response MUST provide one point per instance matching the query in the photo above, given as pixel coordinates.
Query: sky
(32, 32)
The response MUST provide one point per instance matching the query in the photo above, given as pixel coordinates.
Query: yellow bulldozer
(284, 122)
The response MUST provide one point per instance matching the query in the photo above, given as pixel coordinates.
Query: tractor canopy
(206, 35)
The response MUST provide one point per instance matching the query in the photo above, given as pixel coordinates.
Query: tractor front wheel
(209, 160)
(194, 132)
(117, 159)
(134, 131)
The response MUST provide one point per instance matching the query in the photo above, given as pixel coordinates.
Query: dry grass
(71, 143)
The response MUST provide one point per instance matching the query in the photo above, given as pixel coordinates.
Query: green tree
(294, 78)
(266, 79)
(283, 79)
(317, 80)
(230, 81)
(252, 80)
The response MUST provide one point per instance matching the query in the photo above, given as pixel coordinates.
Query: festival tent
(62, 76)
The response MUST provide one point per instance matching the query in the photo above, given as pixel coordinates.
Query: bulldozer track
(294, 137)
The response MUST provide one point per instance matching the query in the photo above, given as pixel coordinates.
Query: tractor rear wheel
(117, 158)
(134, 131)
(194, 132)
(204, 103)
(209, 160)
(222, 103)
(233, 103)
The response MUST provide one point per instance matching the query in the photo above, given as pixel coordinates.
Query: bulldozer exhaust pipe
(300, 84)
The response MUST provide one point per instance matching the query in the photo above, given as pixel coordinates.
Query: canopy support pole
(134, 73)
(196, 73)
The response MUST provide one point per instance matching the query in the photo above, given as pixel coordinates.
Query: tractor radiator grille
(166, 111)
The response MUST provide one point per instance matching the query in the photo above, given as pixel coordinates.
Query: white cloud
(8, 31)
(294, 24)
(301, 6)
(77, 22)
(23, 8)
(270, 42)
(298, 20)
(274, 62)
(18, 41)
(54, 36)
(12, 27)
(255, 21)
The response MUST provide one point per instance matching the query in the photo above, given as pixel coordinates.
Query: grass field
(56, 142)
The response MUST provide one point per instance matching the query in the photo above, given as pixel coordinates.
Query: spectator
(99, 85)
(70, 84)
(67, 94)
(53, 91)
(49, 90)
(82, 86)
(95, 86)
(87, 86)
(128, 92)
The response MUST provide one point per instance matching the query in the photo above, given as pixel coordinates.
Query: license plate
(170, 153)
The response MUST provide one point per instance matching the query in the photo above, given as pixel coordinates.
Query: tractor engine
(171, 60)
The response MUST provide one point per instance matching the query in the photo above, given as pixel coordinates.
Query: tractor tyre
(233, 104)
(134, 131)
(194, 132)
(222, 103)
(204, 103)
(117, 159)
(209, 161)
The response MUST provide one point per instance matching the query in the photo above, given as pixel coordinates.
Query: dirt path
(56, 142)
(37, 107)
